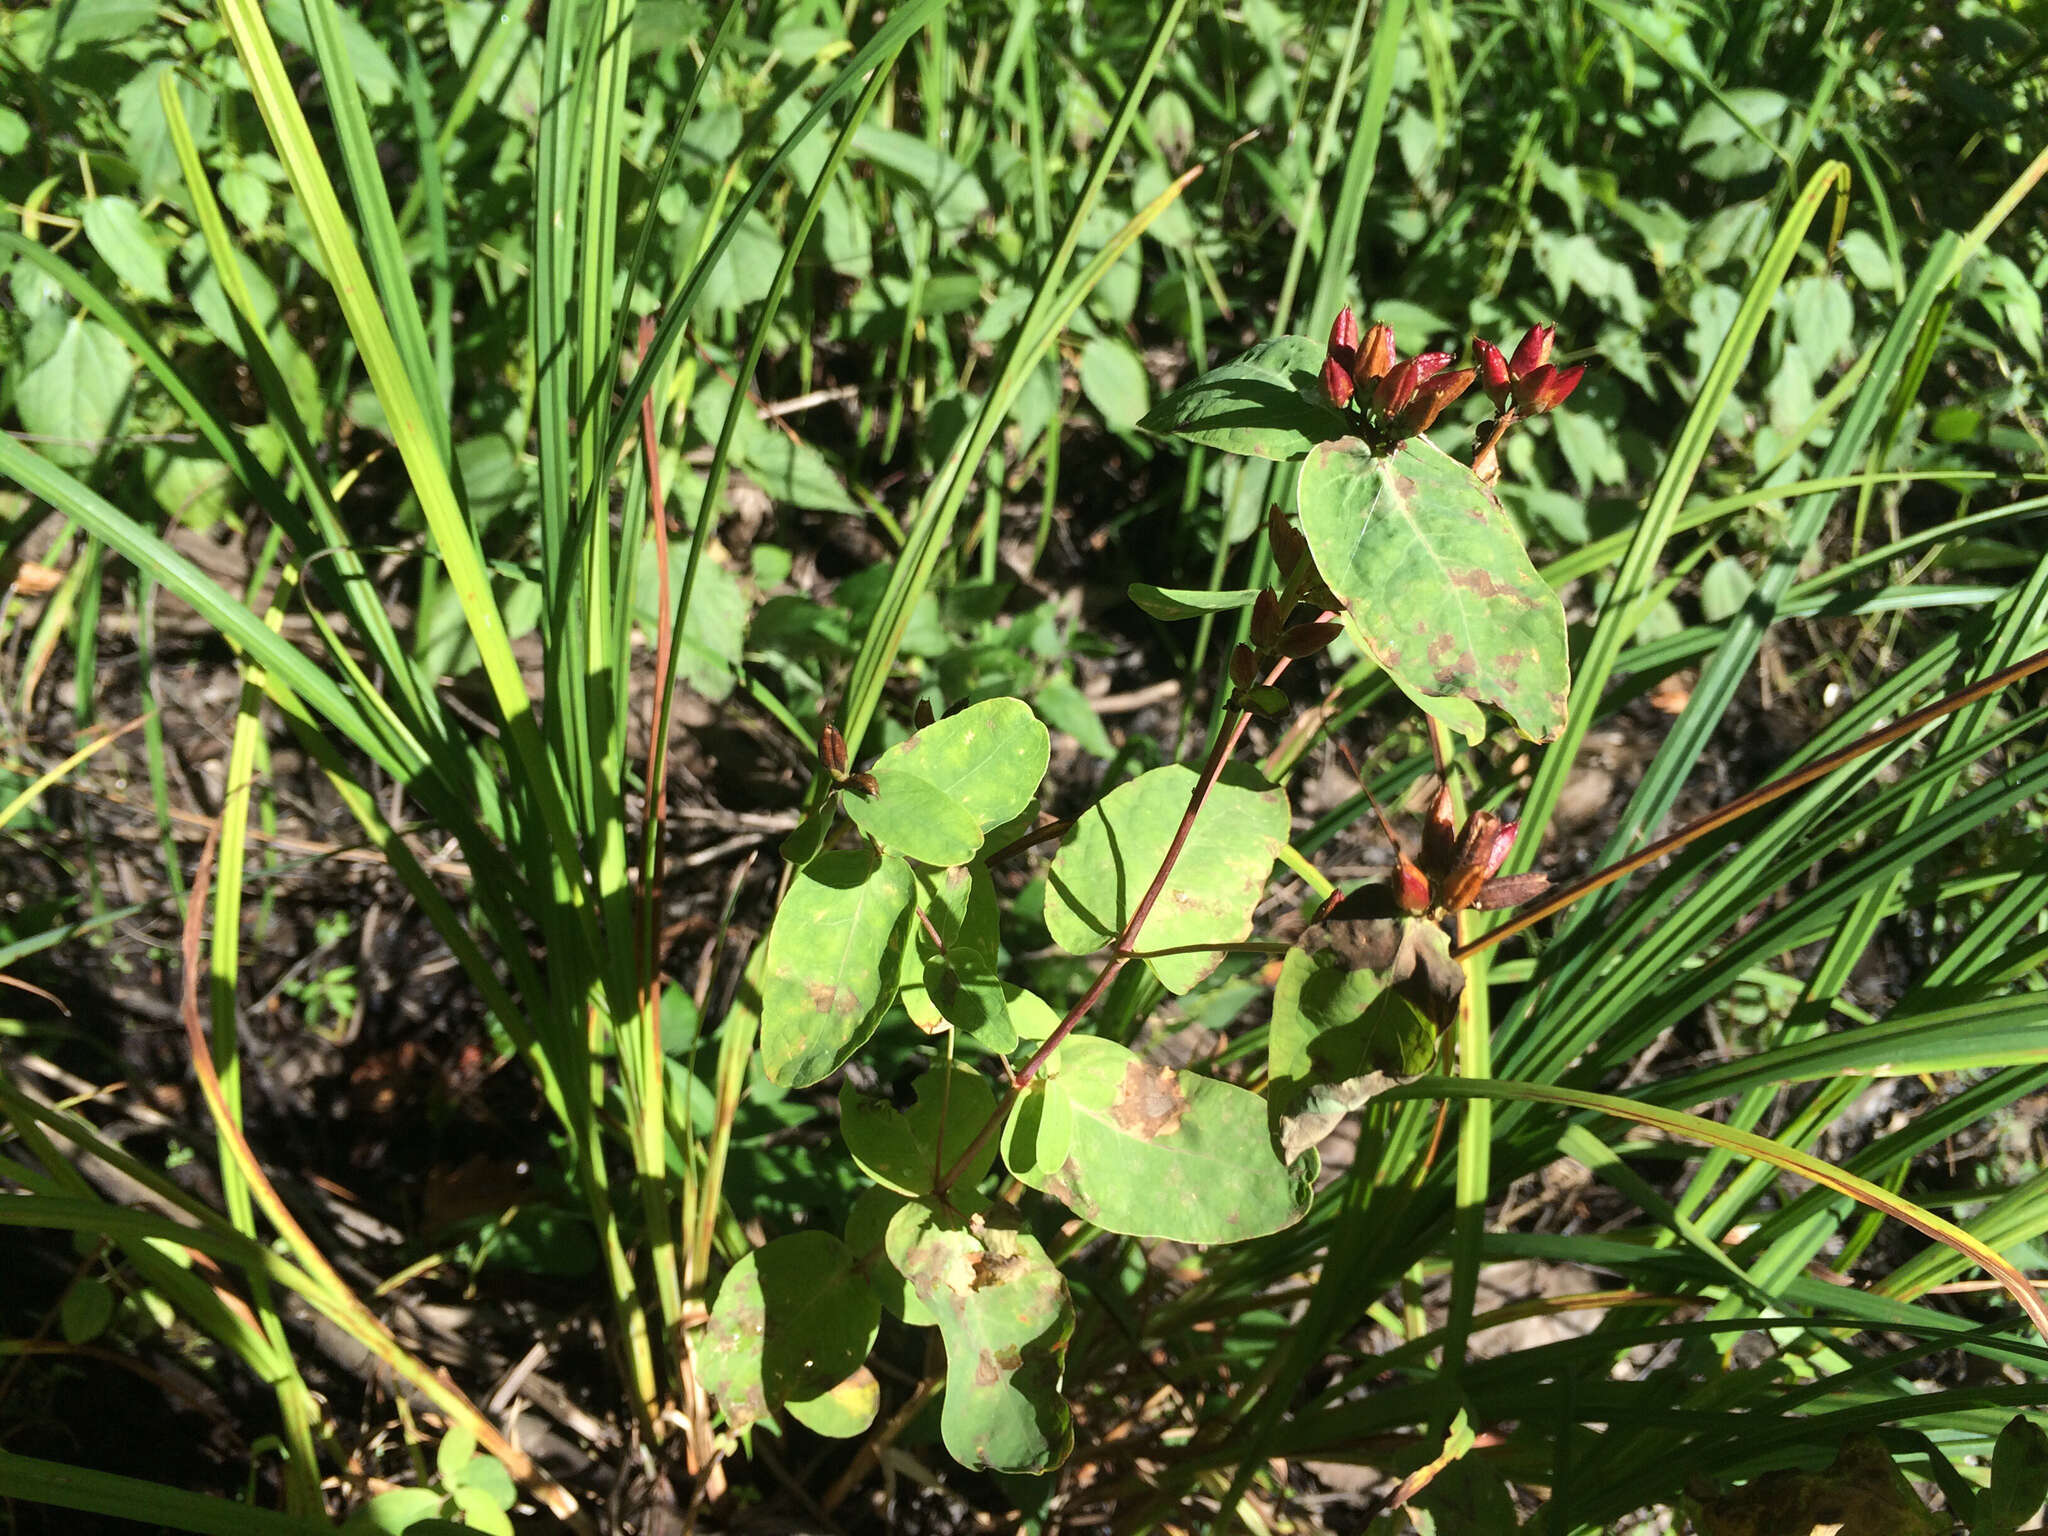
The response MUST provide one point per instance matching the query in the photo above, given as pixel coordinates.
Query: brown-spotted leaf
(792, 1319)
(1435, 581)
(1004, 1313)
(1147, 1151)
(833, 959)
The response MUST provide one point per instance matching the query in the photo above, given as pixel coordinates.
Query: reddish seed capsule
(1395, 390)
(1533, 351)
(1429, 364)
(1503, 845)
(1557, 388)
(1337, 385)
(1344, 340)
(1375, 355)
(1529, 386)
(1430, 400)
(922, 715)
(864, 784)
(1411, 887)
(1493, 371)
(1244, 666)
(1439, 835)
(1511, 891)
(832, 751)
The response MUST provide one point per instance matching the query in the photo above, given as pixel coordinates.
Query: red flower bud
(1344, 340)
(1337, 384)
(1375, 355)
(1395, 390)
(1533, 351)
(1493, 371)
(1430, 400)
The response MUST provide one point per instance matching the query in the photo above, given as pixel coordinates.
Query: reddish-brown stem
(1742, 805)
(1125, 947)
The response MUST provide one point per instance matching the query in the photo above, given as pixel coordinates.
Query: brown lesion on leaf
(1480, 583)
(988, 1371)
(828, 999)
(995, 1268)
(1148, 1102)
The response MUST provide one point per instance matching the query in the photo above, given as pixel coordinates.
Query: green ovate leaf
(1267, 403)
(74, 394)
(1171, 603)
(1151, 1152)
(960, 904)
(1005, 1316)
(1110, 858)
(990, 757)
(912, 816)
(832, 960)
(792, 1319)
(845, 1410)
(970, 997)
(905, 1150)
(1435, 580)
(1339, 1036)
(2019, 1480)
(120, 234)
(867, 1229)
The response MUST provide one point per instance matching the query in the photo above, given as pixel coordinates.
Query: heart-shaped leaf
(1151, 1152)
(904, 1150)
(843, 1411)
(910, 815)
(1267, 403)
(990, 757)
(1005, 1316)
(832, 963)
(792, 1319)
(1114, 851)
(1435, 579)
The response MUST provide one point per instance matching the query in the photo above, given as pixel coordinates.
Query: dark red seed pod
(1557, 388)
(864, 785)
(1395, 390)
(921, 715)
